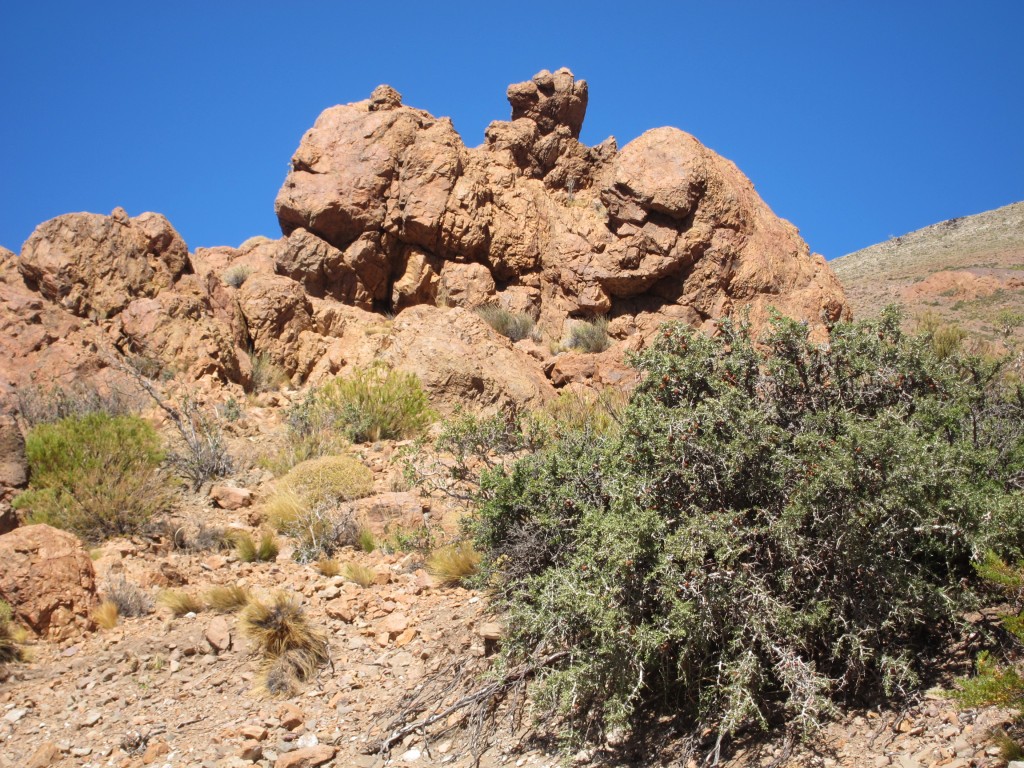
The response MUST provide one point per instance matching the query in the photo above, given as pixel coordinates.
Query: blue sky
(856, 121)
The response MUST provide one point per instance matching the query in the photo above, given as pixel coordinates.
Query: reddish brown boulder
(48, 580)
(94, 265)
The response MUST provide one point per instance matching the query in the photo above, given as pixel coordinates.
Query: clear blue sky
(856, 120)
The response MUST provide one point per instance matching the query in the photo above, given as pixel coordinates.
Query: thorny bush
(775, 527)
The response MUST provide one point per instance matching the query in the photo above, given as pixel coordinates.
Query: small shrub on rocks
(370, 404)
(127, 596)
(515, 326)
(267, 376)
(95, 475)
(180, 603)
(359, 574)
(10, 649)
(236, 276)
(589, 336)
(106, 614)
(774, 527)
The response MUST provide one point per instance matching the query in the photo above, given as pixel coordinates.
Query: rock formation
(385, 210)
(48, 580)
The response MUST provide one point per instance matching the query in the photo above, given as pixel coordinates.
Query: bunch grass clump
(227, 599)
(267, 376)
(291, 648)
(180, 603)
(512, 325)
(589, 335)
(359, 574)
(250, 550)
(328, 566)
(370, 404)
(127, 596)
(306, 503)
(10, 648)
(454, 564)
(773, 528)
(236, 276)
(96, 476)
(106, 614)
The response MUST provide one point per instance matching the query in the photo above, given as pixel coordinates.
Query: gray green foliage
(773, 527)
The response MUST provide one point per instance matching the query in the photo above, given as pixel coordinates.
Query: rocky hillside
(968, 271)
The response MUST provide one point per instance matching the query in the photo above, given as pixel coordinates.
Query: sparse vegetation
(328, 567)
(180, 603)
(106, 614)
(772, 527)
(454, 564)
(305, 505)
(236, 276)
(127, 596)
(291, 648)
(10, 648)
(227, 599)
(267, 376)
(41, 405)
(370, 404)
(251, 551)
(95, 475)
(589, 335)
(515, 326)
(359, 574)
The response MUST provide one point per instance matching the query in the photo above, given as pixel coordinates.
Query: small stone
(14, 715)
(340, 609)
(306, 758)
(405, 638)
(91, 718)
(491, 630)
(45, 755)
(155, 751)
(395, 624)
(218, 635)
(230, 498)
(290, 716)
(81, 751)
(307, 740)
(411, 756)
(253, 732)
(251, 751)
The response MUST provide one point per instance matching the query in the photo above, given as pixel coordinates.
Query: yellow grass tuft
(360, 574)
(328, 567)
(453, 564)
(227, 599)
(292, 649)
(180, 603)
(106, 614)
(250, 551)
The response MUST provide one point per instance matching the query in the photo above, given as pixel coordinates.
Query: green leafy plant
(95, 475)
(370, 404)
(774, 525)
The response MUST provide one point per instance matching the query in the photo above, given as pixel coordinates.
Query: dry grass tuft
(359, 574)
(453, 564)
(10, 650)
(328, 567)
(129, 598)
(251, 551)
(179, 602)
(292, 649)
(227, 599)
(365, 539)
(106, 614)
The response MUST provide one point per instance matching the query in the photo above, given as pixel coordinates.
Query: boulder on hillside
(93, 265)
(48, 580)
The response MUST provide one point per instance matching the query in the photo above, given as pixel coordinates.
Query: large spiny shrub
(774, 526)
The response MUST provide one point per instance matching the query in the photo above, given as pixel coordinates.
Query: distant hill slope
(968, 271)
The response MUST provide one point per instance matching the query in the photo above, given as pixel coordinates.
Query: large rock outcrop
(386, 212)
(663, 229)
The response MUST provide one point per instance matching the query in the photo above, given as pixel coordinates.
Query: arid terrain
(397, 240)
(968, 271)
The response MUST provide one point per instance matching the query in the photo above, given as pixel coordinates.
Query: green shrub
(515, 326)
(589, 336)
(370, 404)
(772, 527)
(95, 475)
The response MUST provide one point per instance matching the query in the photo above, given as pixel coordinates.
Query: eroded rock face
(94, 265)
(663, 229)
(48, 580)
(386, 211)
